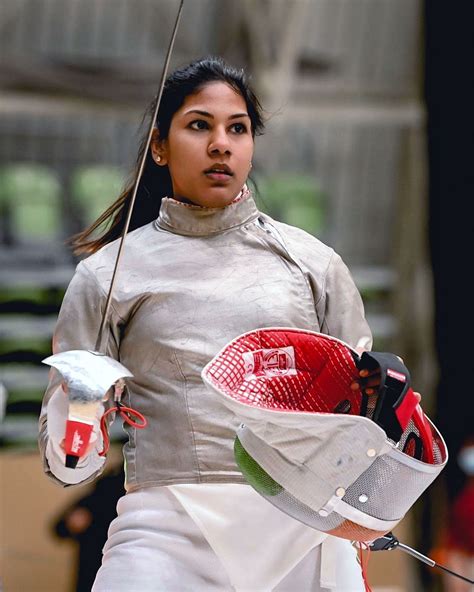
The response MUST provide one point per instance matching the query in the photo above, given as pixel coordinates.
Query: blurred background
(367, 145)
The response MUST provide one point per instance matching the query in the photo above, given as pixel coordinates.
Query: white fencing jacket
(190, 282)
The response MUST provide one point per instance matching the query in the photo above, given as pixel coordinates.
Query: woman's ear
(158, 149)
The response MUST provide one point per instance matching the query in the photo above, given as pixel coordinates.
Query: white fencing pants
(155, 546)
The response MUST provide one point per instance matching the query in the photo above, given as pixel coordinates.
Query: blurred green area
(294, 199)
(95, 188)
(30, 202)
(30, 299)
(31, 205)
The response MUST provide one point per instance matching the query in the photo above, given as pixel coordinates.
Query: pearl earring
(158, 159)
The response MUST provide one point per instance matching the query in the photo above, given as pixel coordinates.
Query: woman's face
(209, 147)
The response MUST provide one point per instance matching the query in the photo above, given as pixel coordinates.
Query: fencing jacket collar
(192, 220)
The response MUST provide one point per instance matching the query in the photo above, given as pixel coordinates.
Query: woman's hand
(368, 383)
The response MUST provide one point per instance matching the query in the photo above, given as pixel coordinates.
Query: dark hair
(155, 182)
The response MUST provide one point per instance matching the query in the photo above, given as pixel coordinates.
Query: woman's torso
(187, 287)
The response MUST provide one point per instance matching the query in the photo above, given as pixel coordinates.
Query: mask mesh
(261, 481)
(383, 492)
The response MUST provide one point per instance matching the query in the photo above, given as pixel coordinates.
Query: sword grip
(79, 429)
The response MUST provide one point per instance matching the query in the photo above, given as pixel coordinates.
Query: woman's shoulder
(138, 251)
(136, 244)
(301, 241)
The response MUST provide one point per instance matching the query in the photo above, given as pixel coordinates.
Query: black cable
(389, 542)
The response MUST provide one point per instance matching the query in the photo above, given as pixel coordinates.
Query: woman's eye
(240, 128)
(199, 124)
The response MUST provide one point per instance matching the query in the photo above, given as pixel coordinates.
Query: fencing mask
(331, 457)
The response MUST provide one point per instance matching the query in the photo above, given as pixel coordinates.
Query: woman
(205, 269)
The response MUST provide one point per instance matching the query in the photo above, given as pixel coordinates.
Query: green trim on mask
(253, 472)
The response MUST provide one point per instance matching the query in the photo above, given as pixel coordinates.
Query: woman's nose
(219, 143)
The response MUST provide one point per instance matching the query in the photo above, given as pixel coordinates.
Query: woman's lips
(219, 176)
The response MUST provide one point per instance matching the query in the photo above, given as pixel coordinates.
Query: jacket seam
(188, 414)
(296, 262)
(323, 291)
(323, 287)
(275, 224)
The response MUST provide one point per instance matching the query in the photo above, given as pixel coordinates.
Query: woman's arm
(77, 328)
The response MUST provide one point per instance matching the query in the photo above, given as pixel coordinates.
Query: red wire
(364, 562)
(129, 416)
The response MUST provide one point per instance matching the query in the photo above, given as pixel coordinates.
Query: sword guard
(385, 543)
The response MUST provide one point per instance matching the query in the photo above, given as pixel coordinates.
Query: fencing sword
(89, 374)
(389, 542)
